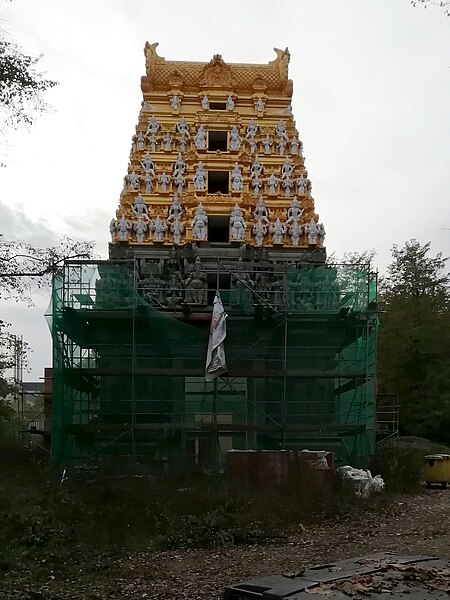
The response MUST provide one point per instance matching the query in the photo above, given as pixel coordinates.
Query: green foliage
(21, 84)
(414, 341)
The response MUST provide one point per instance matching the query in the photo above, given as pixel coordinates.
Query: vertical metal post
(285, 346)
(133, 367)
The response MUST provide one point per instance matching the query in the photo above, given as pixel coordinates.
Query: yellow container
(436, 469)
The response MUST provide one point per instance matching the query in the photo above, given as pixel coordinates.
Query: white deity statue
(175, 210)
(281, 146)
(230, 103)
(256, 168)
(200, 177)
(113, 229)
(140, 141)
(133, 180)
(280, 130)
(308, 186)
(312, 230)
(277, 230)
(205, 102)
(123, 228)
(235, 138)
(195, 284)
(300, 182)
(286, 168)
(294, 212)
(167, 140)
(176, 229)
(153, 126)
(267, 143)
(260, 211)
(147, 164)
(179, 166)
(158, 227)
(252, 128)
(321, 233)
(153, 141)
(237, 181)
(259, 231)
(256, 185)
(182, 143)
(287, 184)
(148, 182)
(295, 231)
(200, 224)
(200, 138)
(139, 208)
(140, 227)
(260, 105)
(237, 225)
(164, 181)
(183, 127)
(272, 182)
(179, 180)
(252, 147)
(175, 102)
(296, 146)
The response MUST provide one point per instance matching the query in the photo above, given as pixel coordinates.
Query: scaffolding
(129, 360)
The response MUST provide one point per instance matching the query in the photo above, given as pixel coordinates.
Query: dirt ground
(418, 524)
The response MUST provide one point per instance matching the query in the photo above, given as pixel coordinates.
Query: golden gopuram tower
(216, 166)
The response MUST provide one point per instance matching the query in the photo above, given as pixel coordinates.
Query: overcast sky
(371, 101)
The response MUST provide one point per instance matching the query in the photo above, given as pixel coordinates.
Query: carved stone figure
(287, 184)
(237, 224)
(147, 164)
(140, 227)
(235, 138)
(280, 130)
(164, 181)
(182, 143)
(153, 126)
(237, 181)
(179, 166)
(308, 186)
(295, 231)
(195, 284)
(312, 230)
(176, 229)
(113, 229)
(260, 105)
(133, 180)
(252, 128)
(252, 147)
(286, 168)
(200, 177)
(200, 138)
(179, 181)
(259, 231)
(158, 227)
(230, 103)
(296, 146)
(174, 293)
(148, 182)
(294, 212)
(139, 208)
(167, 140)
(175, 102)
(175, 210)
(277, 230)
(256, 185)
(260, 211)
(300, 182)
(281, 146)
(183, 127)
(140, 141)
(200, 224)
(153, 143)
(267, 143)
(272, 182)
(123, 228)
(205, 102)
(256, 168)
(321, 233)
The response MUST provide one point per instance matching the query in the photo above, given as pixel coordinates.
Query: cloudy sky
(371, 101)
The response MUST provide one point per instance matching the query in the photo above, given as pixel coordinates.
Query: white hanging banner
(215, 357)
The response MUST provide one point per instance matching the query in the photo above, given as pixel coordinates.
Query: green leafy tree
(414, 340)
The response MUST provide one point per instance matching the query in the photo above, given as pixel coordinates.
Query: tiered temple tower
(217, 166)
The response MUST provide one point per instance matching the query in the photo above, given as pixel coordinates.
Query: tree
(22, 266)
(21, 84)
(414, 340)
